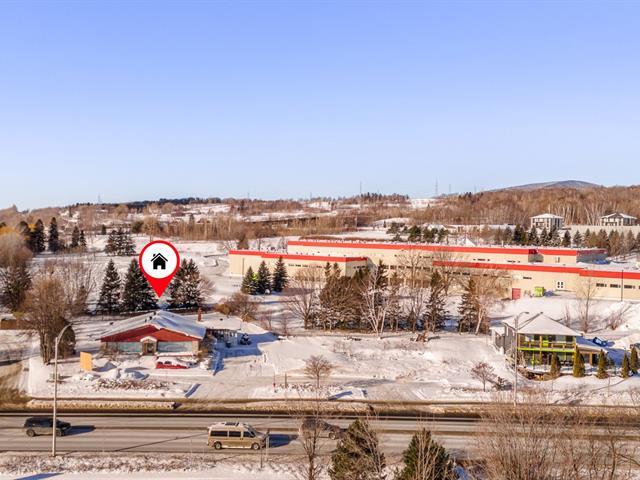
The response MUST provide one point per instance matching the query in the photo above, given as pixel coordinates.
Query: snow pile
(131, 374)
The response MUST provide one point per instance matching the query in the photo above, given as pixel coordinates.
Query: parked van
(235, 435)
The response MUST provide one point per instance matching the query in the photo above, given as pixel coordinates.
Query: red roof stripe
(444, 248)
(289, 256)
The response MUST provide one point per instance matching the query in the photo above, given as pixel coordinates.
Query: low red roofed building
(154, 333)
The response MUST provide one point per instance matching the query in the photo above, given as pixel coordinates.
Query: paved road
(187, 433)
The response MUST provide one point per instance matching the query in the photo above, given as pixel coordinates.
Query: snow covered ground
(394, 368)
(146, 466)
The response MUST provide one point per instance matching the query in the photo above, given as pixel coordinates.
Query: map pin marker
(159, 261)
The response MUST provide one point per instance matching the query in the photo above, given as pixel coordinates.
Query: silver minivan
(235, 435)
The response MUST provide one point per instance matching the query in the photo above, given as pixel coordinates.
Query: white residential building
(548, 221)
(618, 220)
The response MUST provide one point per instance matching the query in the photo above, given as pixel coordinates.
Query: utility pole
(515, 359)
(55, 391)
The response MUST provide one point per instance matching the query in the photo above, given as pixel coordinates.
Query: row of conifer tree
(133, 292)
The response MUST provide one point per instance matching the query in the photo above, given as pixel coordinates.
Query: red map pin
(159, 262)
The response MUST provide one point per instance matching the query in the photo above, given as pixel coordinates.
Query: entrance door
(148, 347)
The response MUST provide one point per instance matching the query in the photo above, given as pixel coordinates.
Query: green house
(539, 337)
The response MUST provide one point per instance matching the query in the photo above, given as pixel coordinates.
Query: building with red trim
(527, 270)
(157, 332)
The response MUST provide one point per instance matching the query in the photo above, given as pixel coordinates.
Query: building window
(630, 287)
(557, 259)
(601, 285)
(527, 278)
(614, 285)
(560, 285)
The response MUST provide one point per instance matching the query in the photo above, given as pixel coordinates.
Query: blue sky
(140, 100)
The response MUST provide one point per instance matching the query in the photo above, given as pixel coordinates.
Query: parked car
(44, 426)
(324, 429)
(170, 362)
(244, 339)
(235, 435)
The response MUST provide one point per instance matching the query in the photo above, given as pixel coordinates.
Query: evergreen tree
(82, 241)
(414, 234)
(544, 237)
(393, 229)
(469, 307)
(38, 237)
(357, 456)
(185, 289)
(435, 308)
(554, 237)
(625, 370)
(176, 287)
(633, 362)
(111, 247)
(263, 282)
(577, 239)
(109, 300)
(249, 282)
(518, 235)
(280, 278)
(137, 293)
(602, 365)
(578, 364)
(193, 288)
(15, 281)
(429, 235)
(533, 236)
(587, 242)
(426, 459)
(127, 246)
(554, 369)
(54, 238)
(566, 239)
(75, 237)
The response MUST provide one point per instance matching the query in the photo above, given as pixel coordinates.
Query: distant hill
(577, 184)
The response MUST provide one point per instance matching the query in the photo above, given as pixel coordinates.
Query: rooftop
(160, 319)
(540, 324)
(547, 215)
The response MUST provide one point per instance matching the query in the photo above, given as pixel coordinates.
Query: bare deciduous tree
(483, 372)
(318, 368)
(377, 300)
(242, 305)
(491, 286)
(585, 302)
(537, 441)
(47, 313)
(302, 294)
(413, 268)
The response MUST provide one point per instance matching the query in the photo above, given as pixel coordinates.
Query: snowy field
(365, 367)
(147, 466)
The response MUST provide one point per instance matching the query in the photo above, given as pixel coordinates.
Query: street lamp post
(515, 359)
(55, 391)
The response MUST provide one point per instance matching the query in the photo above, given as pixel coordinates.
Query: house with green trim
(539, 337)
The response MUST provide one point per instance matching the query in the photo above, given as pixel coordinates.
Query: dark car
(324, 429)
(44, 426)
